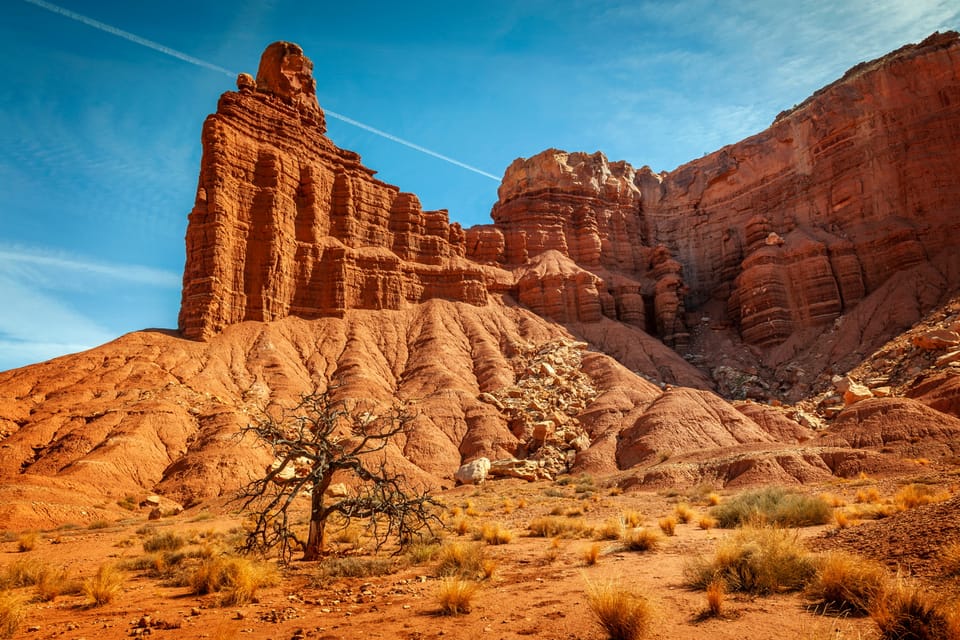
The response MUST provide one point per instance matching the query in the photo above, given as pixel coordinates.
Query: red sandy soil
(530, 593)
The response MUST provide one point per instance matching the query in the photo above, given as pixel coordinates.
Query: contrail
(156, 46)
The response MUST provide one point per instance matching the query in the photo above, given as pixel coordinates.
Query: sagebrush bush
(847, 584)
(455, 594)
(460, 559)
(12, 613)
(104, 586)
(905, 612)
(166, 541)
(757, 560)
(773, 505)
(623, 614)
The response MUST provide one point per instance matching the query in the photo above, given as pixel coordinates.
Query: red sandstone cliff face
(285, 223)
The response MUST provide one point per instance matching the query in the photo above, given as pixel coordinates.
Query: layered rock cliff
(286, 223)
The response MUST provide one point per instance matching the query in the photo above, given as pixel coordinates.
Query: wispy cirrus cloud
(42, 288)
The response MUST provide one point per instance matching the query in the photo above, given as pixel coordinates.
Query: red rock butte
(608, 320)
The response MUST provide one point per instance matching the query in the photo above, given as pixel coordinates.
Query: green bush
(773, 505)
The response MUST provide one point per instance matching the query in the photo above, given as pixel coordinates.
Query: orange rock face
(285, 223)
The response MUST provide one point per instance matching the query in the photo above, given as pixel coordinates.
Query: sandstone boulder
(473, 472)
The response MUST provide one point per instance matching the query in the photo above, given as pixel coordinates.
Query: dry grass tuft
(12, 613)
(916, 495)
(552, 526)
(353, 567)
(104, 586)
(52, 582)
(454, 595)
(642, 539)
(833, 499)
(847, 584)
(623, 614)
(487, 567)
(684, 513)
(950, 559)
(591, 555)
(495, 533)
(460, 559)
(707, 522)
(716, 596)
(237, 579)
(868, 495)
(841, 519)
(553, 551)
(611, 529)
(905, 612)
(166, 541)
(757, 560)
(631, 519)
(668, 525)
(712, 499)
(27, 541)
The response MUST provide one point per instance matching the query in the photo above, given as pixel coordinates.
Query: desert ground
(541, 548)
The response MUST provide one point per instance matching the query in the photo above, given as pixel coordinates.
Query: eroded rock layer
(286, 223)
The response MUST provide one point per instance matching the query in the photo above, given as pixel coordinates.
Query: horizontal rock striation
(285, 223)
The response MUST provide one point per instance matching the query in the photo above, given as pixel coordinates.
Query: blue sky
(99, 135)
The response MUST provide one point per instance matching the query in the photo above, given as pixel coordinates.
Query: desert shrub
(716, 596)
(237, 579)
(611, 529)
(950, 559)
(683, 513)
(354, 567)
(166, 541)
(27, 541)
(105, 585)
(551, 526)
(707, 522)
(98, 524)
(21, 573)
(12, 613)
(454, 595)
(905, 612)
(422, 551)
(757, 560)
(915, 495)
(668, 525)
(642, 539)
(623, 614)
(868, 495)
(847, 584)
(773, 505)
(460, 559)
(591, 555)
(495, 533)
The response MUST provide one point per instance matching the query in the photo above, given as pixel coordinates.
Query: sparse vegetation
(454, 595)
(551, 526)
(668, 525)
(869, 495)
(423, 551)
(591, 555)
(683, 513)
(460, 559)
(906, 612)
(22, 572)
(642, 539)
(773, 505)
(166, 541)
(12, 613)
(27, 541)
(623, 614)
(915, 495)
(495, 533)
(707, 522)
(716, 597)
(950, 559)
(847, 584)
(757, 560)
(104, 586)
(237, 579)
(354, 567)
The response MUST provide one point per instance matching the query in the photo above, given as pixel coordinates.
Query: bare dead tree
(311, 442)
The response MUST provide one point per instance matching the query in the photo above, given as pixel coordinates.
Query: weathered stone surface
(473, 472)
(528, 470)
(937, 339)
(285, 223)
(855, 393)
